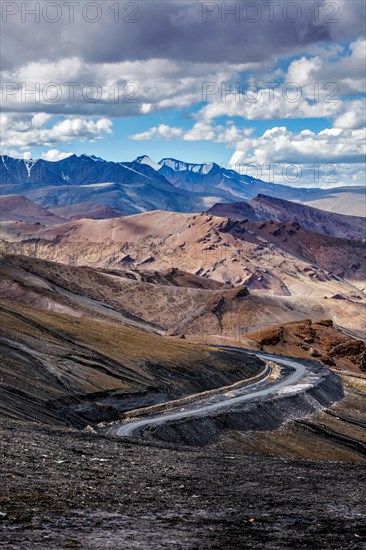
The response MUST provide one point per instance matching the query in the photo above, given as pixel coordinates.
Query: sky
(271, 88)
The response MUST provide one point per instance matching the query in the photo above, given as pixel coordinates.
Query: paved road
(294, 380)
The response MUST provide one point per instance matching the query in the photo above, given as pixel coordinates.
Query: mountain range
(88, 186)
(102, 316)
(291, 273)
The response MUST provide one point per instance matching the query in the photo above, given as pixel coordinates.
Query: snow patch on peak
(136, 172)
(29, 165)
(144, 159)
(65, 177)
(4, 163)
(180, 166)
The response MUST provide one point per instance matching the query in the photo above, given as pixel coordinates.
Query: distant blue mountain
(126, 187)
(74, 170)
(91, 184)
(211, 178)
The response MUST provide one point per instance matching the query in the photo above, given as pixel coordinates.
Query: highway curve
(296, 378)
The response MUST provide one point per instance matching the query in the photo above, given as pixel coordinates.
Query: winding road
(298, 378)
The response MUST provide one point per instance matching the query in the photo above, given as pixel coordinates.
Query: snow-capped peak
(144, 159)
(180, 166)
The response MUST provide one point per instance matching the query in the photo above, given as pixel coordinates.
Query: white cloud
(83, 129)
(330, 158)
(54, 155)
(110, 89)
(25, 155)
(159, 132)
(346, 71)
(23, 130)
(284, 101)
(312, 87)
(280, 145)
(270, 103)
(201, 131)
(355, 117)
(39, 119)
(156, 84)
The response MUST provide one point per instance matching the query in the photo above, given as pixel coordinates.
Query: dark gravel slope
(66, 489)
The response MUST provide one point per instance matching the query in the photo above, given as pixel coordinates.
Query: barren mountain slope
(92, 210)
(346, 200)
(264, 208)
(200, 243)
(170, 302)
(314, 275)
(19, 208)
(174, 302)
(50, 362)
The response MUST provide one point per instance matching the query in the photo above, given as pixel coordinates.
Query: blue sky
(300, 85)
(118, 146)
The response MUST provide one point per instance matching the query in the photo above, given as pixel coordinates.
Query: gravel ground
(62, 488)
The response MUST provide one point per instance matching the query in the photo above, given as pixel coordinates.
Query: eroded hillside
(60, 369)
(296, 271)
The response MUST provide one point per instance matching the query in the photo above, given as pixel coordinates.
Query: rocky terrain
(103, 317)
(19, 208)
(52, 365)
(206, 245)
(76, 488)
(291, 272)
(319, 340)
(67, 489)
(264, 208)
(171, 302)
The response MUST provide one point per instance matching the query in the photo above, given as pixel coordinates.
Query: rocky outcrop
(321, 340)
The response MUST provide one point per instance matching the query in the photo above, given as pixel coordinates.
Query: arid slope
(264, 208)
(19, 208)
(298, 270)
(176, 303)
(50, 363)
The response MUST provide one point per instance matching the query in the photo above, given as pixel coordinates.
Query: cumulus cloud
(352, 117)
(279, 145)
(159, 132)
(39, 119)
(54, 155)
(165, 56)
(200, 131)
(14, 153)
(119, 89)
(330, 158)
(346, 71)
(273, 102)
(312, 87)
(23, 131)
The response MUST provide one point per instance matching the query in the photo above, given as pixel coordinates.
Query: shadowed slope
(49, 361)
